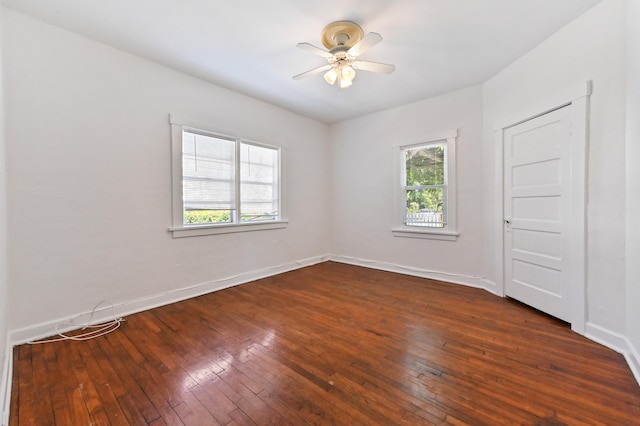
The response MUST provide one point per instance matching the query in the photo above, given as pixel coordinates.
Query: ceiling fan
(345, 41)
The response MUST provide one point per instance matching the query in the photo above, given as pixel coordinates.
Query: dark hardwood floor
(329, 344)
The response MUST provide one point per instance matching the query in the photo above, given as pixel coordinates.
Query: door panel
(537, 173)
(537, 166)
(540, 243)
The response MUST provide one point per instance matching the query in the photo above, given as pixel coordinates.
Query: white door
(537, 213)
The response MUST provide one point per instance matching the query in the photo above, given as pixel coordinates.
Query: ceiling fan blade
(315, 50)
(313, 72)
(363, 45)
(374, 66)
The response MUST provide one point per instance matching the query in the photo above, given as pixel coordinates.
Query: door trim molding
(544, 105)
(577, 99)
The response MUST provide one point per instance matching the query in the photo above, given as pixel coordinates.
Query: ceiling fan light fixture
(343, 83)
(331, 76)
(347, 73)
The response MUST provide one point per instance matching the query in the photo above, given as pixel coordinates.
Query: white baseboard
(105, 313)
(633, 359)
(491, 287)
(467, 280)
(618, 343)
(608, 338)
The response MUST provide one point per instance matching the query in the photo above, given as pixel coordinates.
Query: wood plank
(215, 401)
(329, 344)
(14, 405)
(193, 413)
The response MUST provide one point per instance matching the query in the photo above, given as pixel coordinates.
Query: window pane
(208, 184)
(258, 183)
(426, 207)
(425, 166)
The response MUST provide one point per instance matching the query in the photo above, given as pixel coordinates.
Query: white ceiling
(249, 46)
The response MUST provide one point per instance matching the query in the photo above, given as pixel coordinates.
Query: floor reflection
(221, 363)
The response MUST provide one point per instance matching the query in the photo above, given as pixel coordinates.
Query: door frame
(577, 100)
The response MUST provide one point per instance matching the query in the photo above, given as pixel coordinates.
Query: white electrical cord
(99, 329)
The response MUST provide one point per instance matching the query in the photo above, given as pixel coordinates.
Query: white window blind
(208, 166)
(259, 182)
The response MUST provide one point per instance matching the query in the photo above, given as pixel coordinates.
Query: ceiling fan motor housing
(340, 57)
(343, 34)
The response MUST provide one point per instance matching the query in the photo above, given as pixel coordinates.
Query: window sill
(198, 230)
(429, 234)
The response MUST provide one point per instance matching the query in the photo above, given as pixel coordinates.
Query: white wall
(591, 47)
(4, 349)
(363, 183)
(633, 181)
(88, 165)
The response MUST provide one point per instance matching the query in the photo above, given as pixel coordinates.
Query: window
(426, 200)
(425, 185)
(223, 184)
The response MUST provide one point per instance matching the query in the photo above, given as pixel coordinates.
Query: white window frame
(178, 228)
(449, 232)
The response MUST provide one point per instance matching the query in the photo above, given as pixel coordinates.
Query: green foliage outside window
(424, 200)
(206, 216)
(192, 217)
